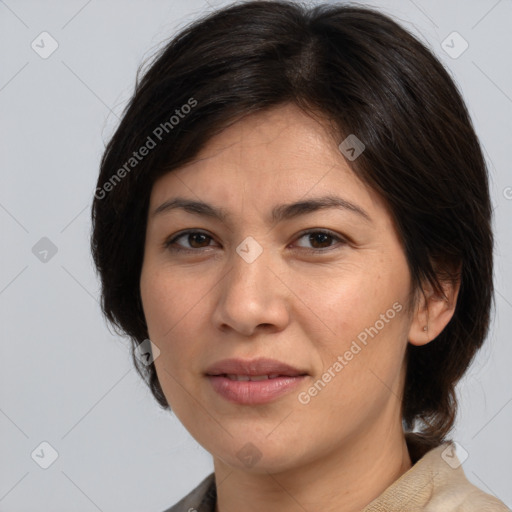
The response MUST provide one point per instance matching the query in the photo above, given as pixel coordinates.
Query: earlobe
(433, 312)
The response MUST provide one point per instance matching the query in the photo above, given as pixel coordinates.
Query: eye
(196, 240)
(322, 238)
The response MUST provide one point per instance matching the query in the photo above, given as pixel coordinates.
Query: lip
(253, 392)
(260, 366)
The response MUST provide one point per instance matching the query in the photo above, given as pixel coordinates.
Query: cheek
(168, 299)
(164, 305)
(174, 307)
(365, 313)
(157, 303)
(167, 306)
(348, 301)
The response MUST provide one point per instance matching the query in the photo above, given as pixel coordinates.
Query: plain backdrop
(65, 379)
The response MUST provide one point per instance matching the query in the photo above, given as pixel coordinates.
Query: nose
(251, 297)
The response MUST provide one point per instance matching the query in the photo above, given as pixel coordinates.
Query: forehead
(269, 157)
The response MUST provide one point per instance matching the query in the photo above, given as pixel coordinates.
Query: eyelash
(168, 244)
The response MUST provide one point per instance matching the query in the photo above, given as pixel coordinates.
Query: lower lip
(249, 392)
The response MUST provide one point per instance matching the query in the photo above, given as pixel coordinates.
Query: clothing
(431, 485)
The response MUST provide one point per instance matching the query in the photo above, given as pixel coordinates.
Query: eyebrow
(279, 213)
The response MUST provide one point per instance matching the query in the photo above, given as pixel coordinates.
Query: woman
(295, 211)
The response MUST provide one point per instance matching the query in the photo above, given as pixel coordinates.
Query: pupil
(319, 237)
(194, 237)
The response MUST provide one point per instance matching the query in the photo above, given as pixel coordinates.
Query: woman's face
(331, 306)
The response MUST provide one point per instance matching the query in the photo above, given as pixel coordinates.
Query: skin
(346, 446)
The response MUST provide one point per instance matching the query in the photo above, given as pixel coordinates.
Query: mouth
(254, 389)
(260, 368)
(253, 378)
(253, 382)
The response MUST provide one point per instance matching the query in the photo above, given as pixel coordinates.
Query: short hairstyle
(365, 75)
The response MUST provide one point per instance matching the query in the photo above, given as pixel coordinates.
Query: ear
(433, 312)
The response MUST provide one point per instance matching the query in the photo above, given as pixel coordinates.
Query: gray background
(64, 377)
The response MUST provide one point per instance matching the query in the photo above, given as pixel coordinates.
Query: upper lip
(252, 367)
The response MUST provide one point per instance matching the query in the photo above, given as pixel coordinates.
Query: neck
(348, 479)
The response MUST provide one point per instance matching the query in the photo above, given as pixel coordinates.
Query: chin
(257, 454)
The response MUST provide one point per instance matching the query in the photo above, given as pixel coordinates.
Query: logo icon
(454, 45)
(147, 352)
(44, 250)
(249, 249)
(454, 455)
(44, 45)
(249, 455)
(351, 147)
(44, 455)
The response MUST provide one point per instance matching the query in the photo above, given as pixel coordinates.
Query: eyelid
(172, 239)
(342, 240)
(336, 236)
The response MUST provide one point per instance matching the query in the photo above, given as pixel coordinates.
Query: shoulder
(464, 497)
(478, 501)
(452, 490)
(200, 499)
(460, 495)
(435, 483)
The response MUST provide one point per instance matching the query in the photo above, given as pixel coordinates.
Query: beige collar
(435, 483)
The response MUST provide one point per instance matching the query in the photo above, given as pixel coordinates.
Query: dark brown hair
(367, 76)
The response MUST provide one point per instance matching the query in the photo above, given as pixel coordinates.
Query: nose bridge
(251, 294)
(250, 267)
